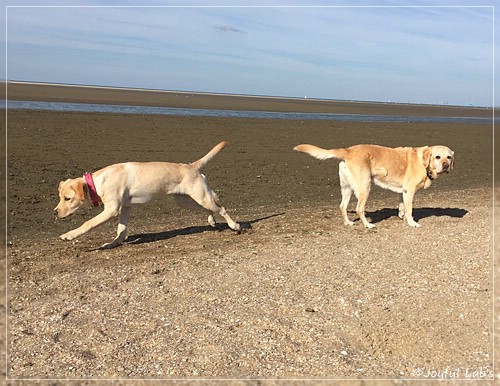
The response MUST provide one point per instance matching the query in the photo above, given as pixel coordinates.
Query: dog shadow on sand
(418, 213)
(246, 226)
(143, 238)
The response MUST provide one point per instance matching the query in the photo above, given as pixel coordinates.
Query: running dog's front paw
(68, 236)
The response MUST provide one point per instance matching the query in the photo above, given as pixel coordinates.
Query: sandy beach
(297, 295)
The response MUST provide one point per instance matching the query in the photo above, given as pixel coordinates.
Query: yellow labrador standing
(121, 185)
(403, 170)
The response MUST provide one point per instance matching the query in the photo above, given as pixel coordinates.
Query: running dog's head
(439, 159)
(72, 195)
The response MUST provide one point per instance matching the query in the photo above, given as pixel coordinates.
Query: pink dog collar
(92, 191)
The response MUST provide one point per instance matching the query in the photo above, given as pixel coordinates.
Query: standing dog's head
(438, 159)
(72, 195)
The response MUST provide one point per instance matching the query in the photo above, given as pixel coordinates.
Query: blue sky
(401, 51)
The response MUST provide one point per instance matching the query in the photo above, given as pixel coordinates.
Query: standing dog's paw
(414, 224)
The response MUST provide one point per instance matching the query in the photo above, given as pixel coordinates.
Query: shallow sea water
(151, 110)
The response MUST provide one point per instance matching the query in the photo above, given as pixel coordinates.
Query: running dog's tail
(319, 153)
(211, 154)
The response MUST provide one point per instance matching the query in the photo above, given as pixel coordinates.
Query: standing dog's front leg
(401, 208)
(408, 203)
(101, 218)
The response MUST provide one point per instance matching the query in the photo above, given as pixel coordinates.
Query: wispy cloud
(417, 54)
(228, 28)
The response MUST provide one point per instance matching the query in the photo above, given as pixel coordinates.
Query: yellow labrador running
(403, 170)
(121, 185)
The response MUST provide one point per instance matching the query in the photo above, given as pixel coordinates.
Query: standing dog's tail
(211, 154)
(319, 153)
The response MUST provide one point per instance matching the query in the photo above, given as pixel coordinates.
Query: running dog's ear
(79, 188)
(452, 163)
(426, 156)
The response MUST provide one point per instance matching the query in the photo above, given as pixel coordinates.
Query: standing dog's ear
(426, 156)
(452, 163)
(80, 190)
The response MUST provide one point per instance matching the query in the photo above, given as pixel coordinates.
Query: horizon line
(305, 98)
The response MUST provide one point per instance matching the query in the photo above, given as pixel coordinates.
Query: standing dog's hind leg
(346, 191)
(360, 207)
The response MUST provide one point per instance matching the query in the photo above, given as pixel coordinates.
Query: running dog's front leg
(107, 214)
